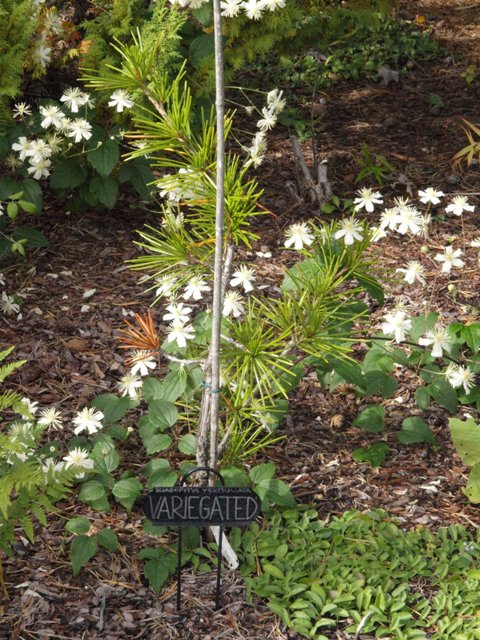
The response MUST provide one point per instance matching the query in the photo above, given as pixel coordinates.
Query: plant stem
(219, 235)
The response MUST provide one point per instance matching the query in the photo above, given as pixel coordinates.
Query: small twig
(362, 623)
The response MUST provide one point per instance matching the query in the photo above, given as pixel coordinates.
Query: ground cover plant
(376, 360)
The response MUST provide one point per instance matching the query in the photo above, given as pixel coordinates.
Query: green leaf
(466, 438)
(422, 397)
(92, 490)
(68, 174)
(138, 172)
(174, 385)
(151, 389)
(162, 478)
(162, 413)
(201, 47)
(414, 430)
(375, 454)
(35, 238)
(108, 539)
(28, 207)
(7, 187)
(156, 572)
(421, 324)
(105, 455)
(262, 472)
(379, 383)
(78, 525)
(104, 157)
(81, 550)
(442, 392)
(275, 491)
(105, 190)
(188, 444)
(113, 407)
(156, 443)
(472, 490)
(372, 418)
(127, 491)
(32, 192)
(12, 210)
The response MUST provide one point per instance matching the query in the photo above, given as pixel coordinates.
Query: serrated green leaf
(372, 418)
(104, 157)
(466, 438)
(105, 190)
(78, 525)
(91, 491)
(187, 444)
(108, 539)
(127, 491)
(415, 430)
(262, 472)
(68, 174)
(156, 572)
(374, 455)
(82, 549)
(113, 407)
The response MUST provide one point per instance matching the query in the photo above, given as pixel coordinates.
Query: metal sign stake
(201, 506)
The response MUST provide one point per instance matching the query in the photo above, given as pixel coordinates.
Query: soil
(79, 291)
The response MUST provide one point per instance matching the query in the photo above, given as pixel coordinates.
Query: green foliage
(318, 575)
(466, 438)
(115, 21)
(341, 44)
(84, 547)
(29, 481)
(16, 32)
(376, 167)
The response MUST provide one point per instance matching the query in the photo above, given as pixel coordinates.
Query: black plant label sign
(201, 506)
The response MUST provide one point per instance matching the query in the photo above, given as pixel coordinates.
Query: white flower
(233, 304)
(273, 5)
(143, 362)
(52, 116)
(378, 233)
(298, 235)
(350, 229)
(459, 205)
(121, 100)
(430, 195)
(21, 109)
(396, 323)
(178, 312)
(440, 340)
(459, 376)
(195, 288)
(73, 98)
(253, 9)
(367, 199)
(22, 147)
(89, 420)
(268, 121)
(409, 219)
(450, 258)
(79, 129)
(166, 283)
(38, 150)
(275, 102)
(130, 385)
(50, 418)
(180, 333)
(78, 458)
(8, 304)
(244, 277)
(389, 219)
(413, 271)
(40, 169)
(230, 8)
(41, 55)
(475, 243)
(31, 406)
